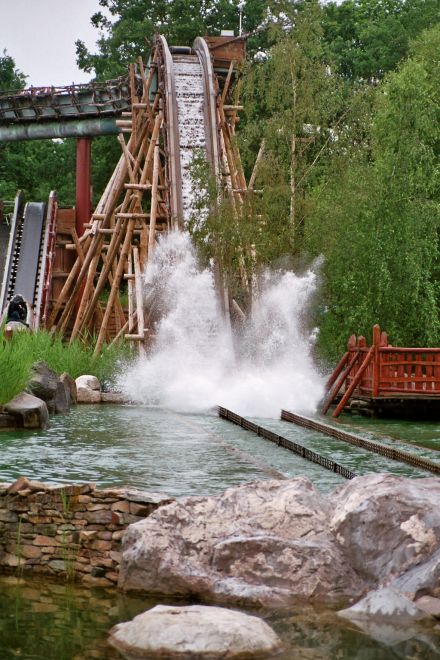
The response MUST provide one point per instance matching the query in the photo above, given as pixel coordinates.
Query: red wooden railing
(383, 371)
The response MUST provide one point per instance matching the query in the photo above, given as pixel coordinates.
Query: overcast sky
(40, 36)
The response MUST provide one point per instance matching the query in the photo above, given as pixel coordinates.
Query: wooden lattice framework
(135, 207)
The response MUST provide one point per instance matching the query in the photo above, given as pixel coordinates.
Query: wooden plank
(139, 295)
(153, 212)
(130, 276)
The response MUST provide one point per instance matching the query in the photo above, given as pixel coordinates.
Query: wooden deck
(385, 376)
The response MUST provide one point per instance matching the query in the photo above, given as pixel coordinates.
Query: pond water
(43, 621)
(188, 454)
(185, 454)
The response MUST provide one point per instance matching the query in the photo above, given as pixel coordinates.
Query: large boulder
(70, 384)
(387, 524)
(43, 384)
(194, 632)
(30, 411)
(261, 543)
(46, 385)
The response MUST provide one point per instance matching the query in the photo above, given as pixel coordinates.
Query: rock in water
(385, 604)
(261, 543)
(88, 389)
(45, 384)
(194, 632)
(31, 411)
(387, 524)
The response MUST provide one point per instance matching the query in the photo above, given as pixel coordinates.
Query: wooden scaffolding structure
(136, 206)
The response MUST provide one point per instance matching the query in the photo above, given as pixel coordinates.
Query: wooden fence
(383, 371)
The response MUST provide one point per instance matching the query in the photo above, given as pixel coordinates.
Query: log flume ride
(176, 112)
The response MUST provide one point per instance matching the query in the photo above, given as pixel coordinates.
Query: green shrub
(24, 349)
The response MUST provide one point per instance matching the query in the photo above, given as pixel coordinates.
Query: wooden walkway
(384, 373)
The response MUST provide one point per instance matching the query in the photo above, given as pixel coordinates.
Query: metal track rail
(357, 441)
(212, 144)
(47, 254)
(11, 256)
(172, 134)
(30, 251)
(281, 441)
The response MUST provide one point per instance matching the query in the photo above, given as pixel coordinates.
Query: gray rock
(114, 397)
(86, 395)
(7, 421)
(146, 497)
(385, 604)
(429, 605)
(420, 580)
(387, 524)
(43, 382)
(89, 382)
(88, 389)
(194, 632)
(71, 385)
(263, 543)
(30, 411)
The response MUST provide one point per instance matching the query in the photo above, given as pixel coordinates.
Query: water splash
(194, 365)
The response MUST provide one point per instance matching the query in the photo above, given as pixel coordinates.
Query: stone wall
(68, 531)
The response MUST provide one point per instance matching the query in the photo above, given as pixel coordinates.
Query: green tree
(292, 101)
(130, 31)
(377, 214)
(367, 38)
(10, 76)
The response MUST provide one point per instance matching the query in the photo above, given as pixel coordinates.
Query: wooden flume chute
(140, 201)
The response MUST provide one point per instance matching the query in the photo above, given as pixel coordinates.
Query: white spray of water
(194, 365)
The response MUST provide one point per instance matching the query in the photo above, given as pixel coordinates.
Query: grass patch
(18, 355)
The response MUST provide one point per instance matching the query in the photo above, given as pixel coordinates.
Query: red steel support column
(83, 186)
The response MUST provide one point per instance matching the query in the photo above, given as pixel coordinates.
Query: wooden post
(376, 363)
(130, 294)
(139, 293)
(115, 286)
(349, 391)
(338, 384)
(83, 204)
(153, 212)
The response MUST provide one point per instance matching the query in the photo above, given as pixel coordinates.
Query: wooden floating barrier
(383, 374)
(281, 441)
(357, 441)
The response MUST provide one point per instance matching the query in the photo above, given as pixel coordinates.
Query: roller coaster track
(28, 260)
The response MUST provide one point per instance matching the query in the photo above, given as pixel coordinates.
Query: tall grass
(24, 349)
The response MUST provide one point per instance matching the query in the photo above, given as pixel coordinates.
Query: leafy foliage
(24, 349)
(367, 38)
(134, 23)
(379, 204)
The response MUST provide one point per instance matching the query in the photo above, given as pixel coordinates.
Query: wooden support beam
(152, 232)
(139, 293)
(115, 286)
(349, 391)
(227, 82)
(143, 186)
(130, 276)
